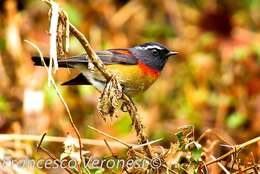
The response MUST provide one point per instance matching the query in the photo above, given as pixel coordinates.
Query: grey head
(153, 54)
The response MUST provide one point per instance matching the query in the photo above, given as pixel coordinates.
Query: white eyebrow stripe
(153, 47)
(149, 47)
(139, 48)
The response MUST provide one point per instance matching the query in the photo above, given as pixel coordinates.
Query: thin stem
(50, 154)
(61, 98)
(93, 58)
(113, 138)
(85, 141)
(235, 149)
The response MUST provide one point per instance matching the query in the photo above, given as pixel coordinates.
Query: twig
(220, 165)
(93, 58)
(85, 141)
(246, 169)
(110, 149)
(114, 155)
(256, 166)
(42, 137)
(211, 131)
(61, 98)
(237, 148)
(151, 159)
(137, 124)
(50, 154)
(132, 146)
(67, 33)
(53, 35)
(148, 143)
(54, 158)
(113, 138)
(234, 156)
(90, 52)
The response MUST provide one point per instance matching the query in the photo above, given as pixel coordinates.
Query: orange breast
(147, 70)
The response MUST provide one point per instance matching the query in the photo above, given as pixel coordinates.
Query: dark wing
(116, 56)
(108, 57)
(112, 56)
(120, 56)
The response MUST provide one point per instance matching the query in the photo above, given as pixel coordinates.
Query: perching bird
(136, 68)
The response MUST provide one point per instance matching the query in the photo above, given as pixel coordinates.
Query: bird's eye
(155, 52)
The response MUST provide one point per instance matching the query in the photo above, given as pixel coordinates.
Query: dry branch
(92, 142)
(94, 59)
(50, 154)
(234, 150)
(61, 98)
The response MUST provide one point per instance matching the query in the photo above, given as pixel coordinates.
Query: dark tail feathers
(38, 62)
(80, 79)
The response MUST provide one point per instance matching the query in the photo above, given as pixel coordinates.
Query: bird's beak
(172, 53)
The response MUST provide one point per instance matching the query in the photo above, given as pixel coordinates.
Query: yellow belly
(131, 77)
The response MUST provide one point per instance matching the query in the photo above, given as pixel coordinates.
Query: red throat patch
(148, 70)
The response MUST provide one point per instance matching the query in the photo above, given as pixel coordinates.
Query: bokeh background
(214, 82)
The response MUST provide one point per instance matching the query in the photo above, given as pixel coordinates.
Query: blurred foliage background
(214, 82)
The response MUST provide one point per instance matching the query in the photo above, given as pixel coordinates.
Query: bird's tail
(65, 63)
(38, 62)
(80, 79)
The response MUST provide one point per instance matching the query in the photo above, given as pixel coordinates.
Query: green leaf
(86, 90)
(99, 171)
(50, 95)
(196, 153)
(180, 137)
(3, 104)
(158, 29)
(240, 53)
(74, 16)
(236, 120)
(122, 125)
(2, 44)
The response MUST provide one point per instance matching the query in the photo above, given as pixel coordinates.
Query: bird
(136, 68)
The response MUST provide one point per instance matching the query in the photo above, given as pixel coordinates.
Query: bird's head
(153, 54)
